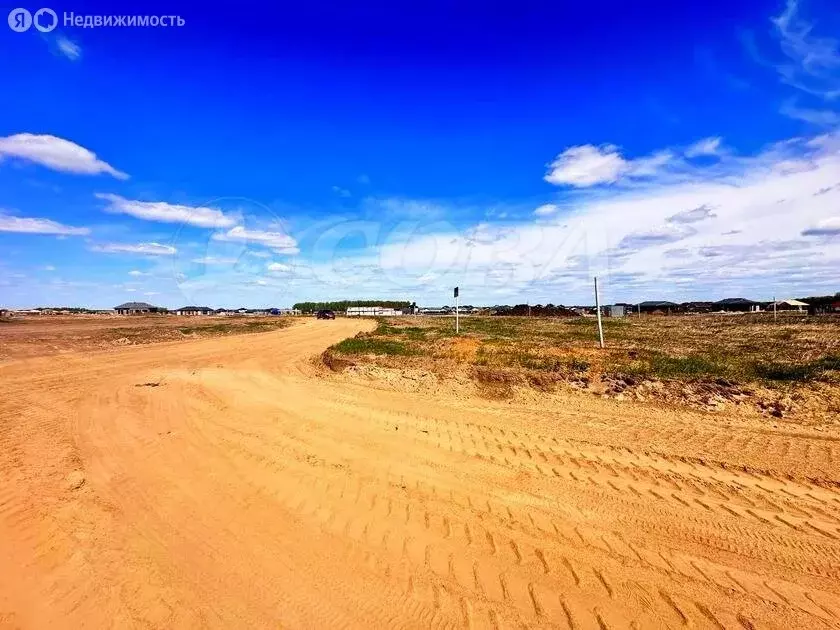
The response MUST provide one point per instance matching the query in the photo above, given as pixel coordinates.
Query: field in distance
(748, 363)
(51, 334)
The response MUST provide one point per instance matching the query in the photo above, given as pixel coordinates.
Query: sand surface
(225, 483)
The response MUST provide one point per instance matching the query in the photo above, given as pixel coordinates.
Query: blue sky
(284, 153)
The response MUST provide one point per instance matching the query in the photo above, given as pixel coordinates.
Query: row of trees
(341, 305)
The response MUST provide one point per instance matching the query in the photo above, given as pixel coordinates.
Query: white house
(790, 305)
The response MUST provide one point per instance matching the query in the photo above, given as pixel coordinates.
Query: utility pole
(598, 313)
(639, 309)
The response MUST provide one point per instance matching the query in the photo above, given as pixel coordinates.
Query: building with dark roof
(137, 308)
(657, 306)
(195, 310)
(737, 305)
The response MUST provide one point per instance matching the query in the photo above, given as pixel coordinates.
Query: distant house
(195, 310)
(372, 311)
(443, 310)
(737, 305)
(285, 311)
(790, 305)
(697, 307)
(137, 308)
(661, 307)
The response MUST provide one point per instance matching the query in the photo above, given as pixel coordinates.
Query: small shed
(614, 310)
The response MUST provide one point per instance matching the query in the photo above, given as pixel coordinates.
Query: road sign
(456, 292)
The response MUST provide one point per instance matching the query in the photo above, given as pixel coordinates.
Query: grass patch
(692, 366)
(370, 345)
(793, 372)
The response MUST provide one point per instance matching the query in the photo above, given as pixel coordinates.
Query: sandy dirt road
(220, 483)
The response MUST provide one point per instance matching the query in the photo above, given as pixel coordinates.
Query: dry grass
(721, 353)
(43, 335)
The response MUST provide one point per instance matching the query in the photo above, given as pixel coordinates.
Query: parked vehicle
(325, 315)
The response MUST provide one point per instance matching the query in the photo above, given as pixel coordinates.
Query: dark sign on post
(456, 292)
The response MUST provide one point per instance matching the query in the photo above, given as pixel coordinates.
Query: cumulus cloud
(736, 224)
(147, 249)
(55, 153)
(166, 212)
(280, 242)
(31, 225)
(588, 165)
(136, 273)
(279, 267)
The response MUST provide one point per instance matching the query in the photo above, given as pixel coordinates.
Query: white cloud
(148, 249)
(750, 225)
(813, 61)
(342, 192)
(69, 49)
(825, 227)
(707, 146)
(29, 225)
(55, 153)
(280, 242)
(48, 268)
(818, 117)
(693, 215)
(546, 210)
(166, 212)
(587, 165)
(214, 260)
(136, 273)
(279, 267)
(151, 293)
